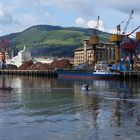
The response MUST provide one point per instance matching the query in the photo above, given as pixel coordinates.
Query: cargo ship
(87, 74)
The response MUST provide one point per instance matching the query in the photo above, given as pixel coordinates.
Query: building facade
(92, 54)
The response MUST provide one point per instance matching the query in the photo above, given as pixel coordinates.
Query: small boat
(85, 88)
(6, 88)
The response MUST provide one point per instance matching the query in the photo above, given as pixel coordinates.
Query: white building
(22, 56)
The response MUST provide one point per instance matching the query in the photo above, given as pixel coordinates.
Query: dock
(53, 74)
(130, 75)
(37, 73)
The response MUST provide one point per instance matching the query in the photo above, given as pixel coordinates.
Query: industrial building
(22, 56)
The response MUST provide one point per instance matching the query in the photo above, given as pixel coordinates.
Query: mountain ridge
(44, 40)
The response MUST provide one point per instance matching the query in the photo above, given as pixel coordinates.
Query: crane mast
(94, 40)
(3, 53)
(120, 37)
(97, 25)
(127, 23)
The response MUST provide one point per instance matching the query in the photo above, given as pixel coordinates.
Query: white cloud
(81, 22)
(113, 31)
(19, 15)
(80, 6)
(122, 5)
(5, 17)
(50, 19)
(29, 19)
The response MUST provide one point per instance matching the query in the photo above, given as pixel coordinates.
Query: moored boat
(87, 74)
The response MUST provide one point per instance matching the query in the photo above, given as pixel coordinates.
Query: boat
(6, 88)
(87, 74)
(85, 87)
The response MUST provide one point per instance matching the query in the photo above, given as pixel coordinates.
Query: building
(23, 55)
(89, 54)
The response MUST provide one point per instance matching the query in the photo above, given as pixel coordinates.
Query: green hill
(52, 40)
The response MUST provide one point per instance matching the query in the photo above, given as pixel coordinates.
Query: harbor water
(57, 109)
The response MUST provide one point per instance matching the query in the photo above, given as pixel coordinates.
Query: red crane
(130, 45)
(127, 42)
(3, 53)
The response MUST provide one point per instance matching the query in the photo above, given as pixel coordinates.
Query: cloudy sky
(18, 15)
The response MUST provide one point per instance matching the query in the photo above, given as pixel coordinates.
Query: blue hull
(74, 74)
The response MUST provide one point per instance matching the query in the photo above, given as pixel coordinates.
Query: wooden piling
(37, 73)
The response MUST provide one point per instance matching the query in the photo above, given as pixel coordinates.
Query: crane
(131, 45)
(3, 57)
(121, 39)
(94, 40)
(118, 28)
(97, 25)
(127, 23)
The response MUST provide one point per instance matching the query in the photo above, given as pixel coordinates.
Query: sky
(18, 15)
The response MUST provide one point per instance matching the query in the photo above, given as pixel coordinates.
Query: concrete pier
(40, 73)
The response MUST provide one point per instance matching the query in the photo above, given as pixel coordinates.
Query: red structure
(4, 51)
(130, 44)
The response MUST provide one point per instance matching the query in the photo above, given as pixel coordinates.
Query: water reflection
(58, 109)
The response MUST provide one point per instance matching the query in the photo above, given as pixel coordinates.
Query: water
(54, 109)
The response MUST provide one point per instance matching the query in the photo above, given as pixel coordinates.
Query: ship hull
(85, 75)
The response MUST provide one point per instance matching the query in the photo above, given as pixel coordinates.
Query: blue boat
(85, 74)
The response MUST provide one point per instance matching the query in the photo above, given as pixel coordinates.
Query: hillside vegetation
(44, 40)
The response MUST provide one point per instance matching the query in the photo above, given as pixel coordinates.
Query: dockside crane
(127, 23)
(97, 25)
(125, 37)
(118, 28)
(131, 45)
(3, 53)
(94, 40)
(120, 38)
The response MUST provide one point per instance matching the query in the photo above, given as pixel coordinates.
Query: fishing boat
(88, 74)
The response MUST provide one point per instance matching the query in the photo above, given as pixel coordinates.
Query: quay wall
(52, 73)
(130, 75)
(39, 73)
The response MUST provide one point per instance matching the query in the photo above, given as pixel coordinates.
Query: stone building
(89, 54)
